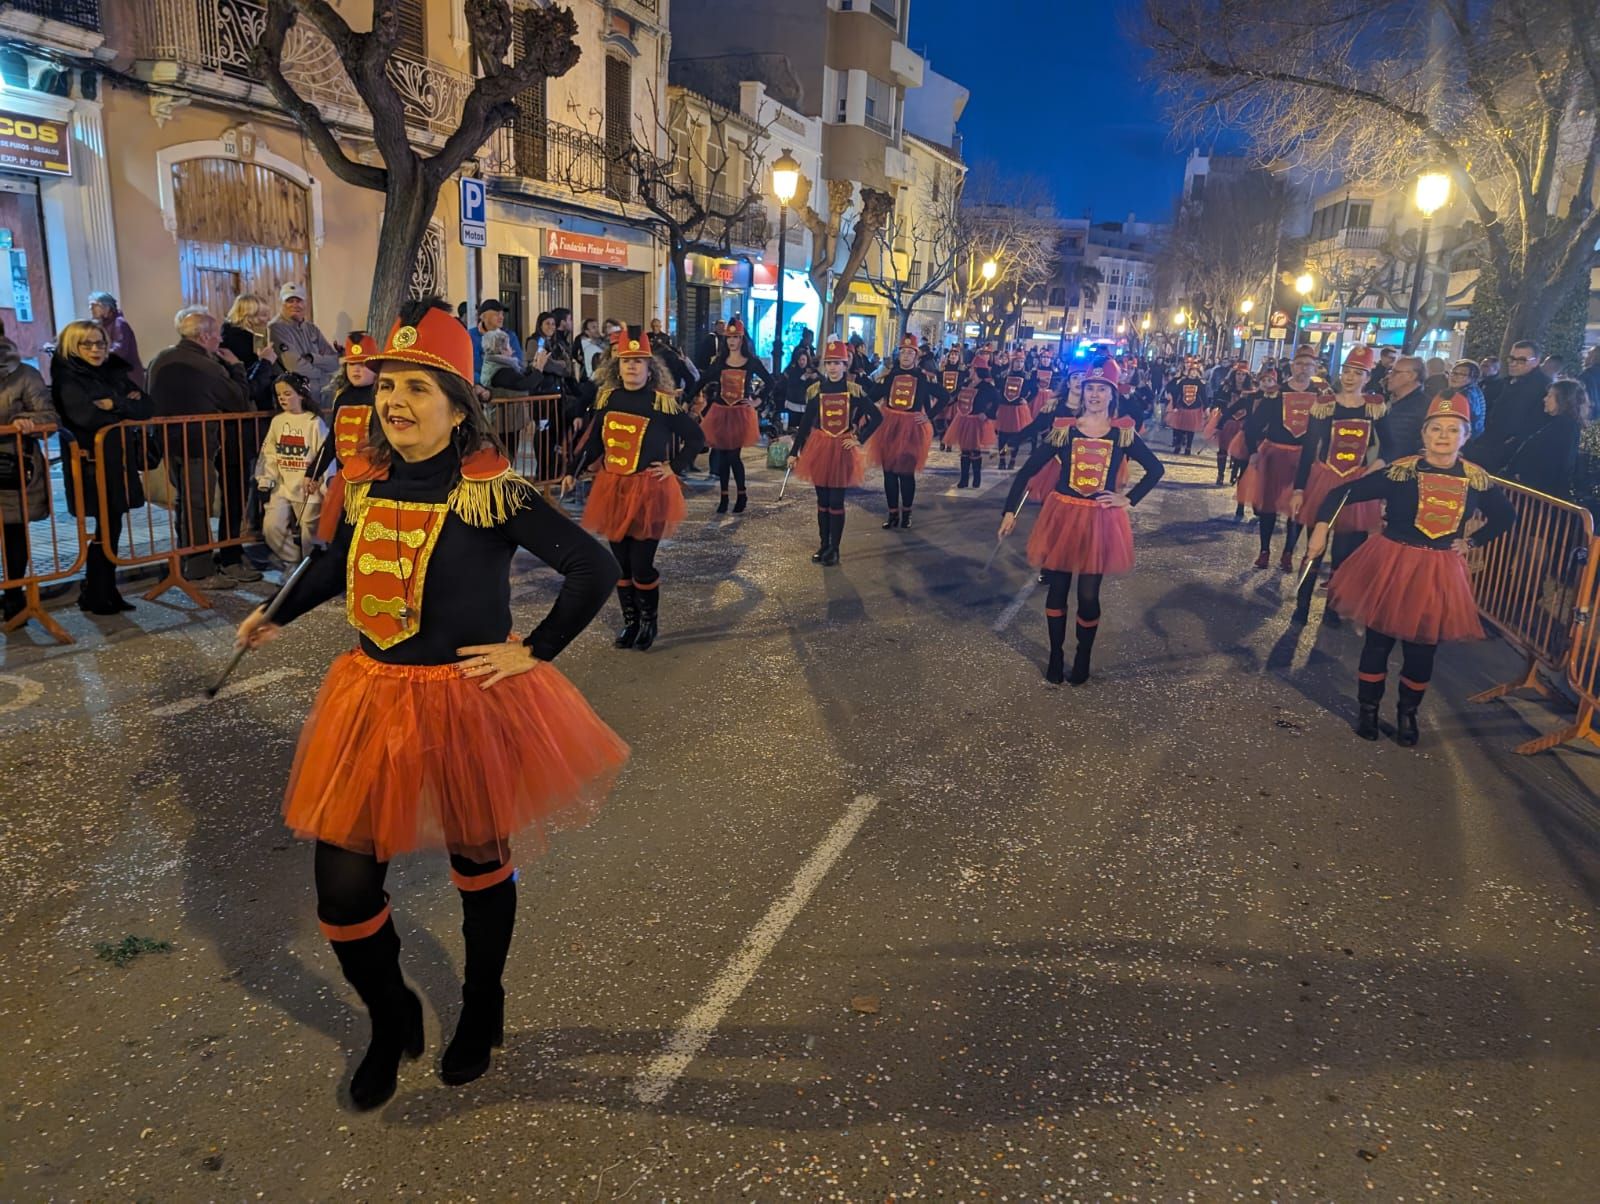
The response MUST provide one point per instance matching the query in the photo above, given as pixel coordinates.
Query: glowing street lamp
(989, 270)
(785, 183)
(1246, 306)
(1433, 193)
(1180, 318)
(1304, 283)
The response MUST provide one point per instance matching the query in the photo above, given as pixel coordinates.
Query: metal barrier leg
(1581, 730)
(33, 608)
(1528, 681)
(176, 580)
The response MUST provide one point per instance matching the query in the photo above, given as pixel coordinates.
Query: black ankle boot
(1406, 734)
(372, 967)
(893, 520)
(629, 598)
(649, 603)
(905, 518)
(740, 502)
(822, 537)
(722, 506)
(1367, 722)
(1055, 671)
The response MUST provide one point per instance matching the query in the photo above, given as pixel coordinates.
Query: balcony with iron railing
(215, 37)
(534, 148)
(748, 230)
(1354, 238)
(84, 14)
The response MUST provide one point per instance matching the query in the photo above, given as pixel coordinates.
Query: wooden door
(25, 308)
(242, 228)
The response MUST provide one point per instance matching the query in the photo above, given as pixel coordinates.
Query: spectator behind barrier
(94, 390)
(1408, 407)
(1464, 375)
(301, 347)
(245, 333)
(1547, 459)
(1516, 408)
(104, 310)
(24, 481)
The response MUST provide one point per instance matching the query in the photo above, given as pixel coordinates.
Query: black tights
(1416, 669)
(725, 462)
(1269, 526)
(637, 560)
(830, 515)
(1182, 442)
(1058, 590)
(971, 469)
(350, 885)
(900, 489)
(1009, 446)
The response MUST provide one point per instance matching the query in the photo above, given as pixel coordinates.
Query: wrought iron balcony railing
(85, 14)
(536, 148)
(749, 229)
(218, 35)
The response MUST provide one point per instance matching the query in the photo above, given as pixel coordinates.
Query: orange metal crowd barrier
(536, 437)
(196, 477)
(1536, 585)
(43, 542)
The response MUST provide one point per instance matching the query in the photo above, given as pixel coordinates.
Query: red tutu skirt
(1185, 420)
(729, 428)
(1013, 419)
(901, 444)
(1043, 483)
(970, 433)
(1408, 592)
(1227, 433)
(640, 505)
(1040, 400)
(1238, 449)
(1074, 535)
(1361, 516)
(827, 463)
(1268, 483)
(394, 758)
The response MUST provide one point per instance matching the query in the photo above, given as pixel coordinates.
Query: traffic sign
(474, 213)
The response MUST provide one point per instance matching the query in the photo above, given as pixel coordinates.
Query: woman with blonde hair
(244, 332)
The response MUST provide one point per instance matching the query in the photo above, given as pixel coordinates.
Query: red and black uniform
(729, 422)
(971, 430)
(1230, 408)
(1340, 443)
(1015, 413)
(952, 376)
(838, 420)
(349, 427)
(1408, 583)
(630, 506)
(1274, 434)
(1188, 398)
(1075, 535)
(908, 401)
(402, 751)
(1044, 384)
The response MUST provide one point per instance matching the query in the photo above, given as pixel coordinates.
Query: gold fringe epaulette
(1377, 410)
(1407, 469)
(665, 403)
(1059, 436)
(1125, 436)
(355, 500)
(1323, 409)
(1404, 469)
(603, 398)
(492, 502)
(1477, 477)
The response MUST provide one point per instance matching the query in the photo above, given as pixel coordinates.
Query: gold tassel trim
(1477, 477)
(1059, 437)
(1323, 409)
(1404, 469)
(666, 403)
(356, 500)
(490, 503)
(1377, 410)
(1126, 438)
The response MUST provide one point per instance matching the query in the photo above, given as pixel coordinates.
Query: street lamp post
(1303, 284)
(1181, 320)
(1433, 190)
(988, 271)
(1245, 307)
(785, 183)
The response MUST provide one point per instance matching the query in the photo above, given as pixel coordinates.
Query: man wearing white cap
(301, 347)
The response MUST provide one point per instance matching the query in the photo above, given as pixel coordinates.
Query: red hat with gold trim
(436, 340)
(910, 341)
(1450, 404)
(735, 327)
(360, 346)
(631, 343)
(1360, 357)
(837, 350)
(1104, 370)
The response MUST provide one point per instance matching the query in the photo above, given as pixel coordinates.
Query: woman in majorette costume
(1015, 415)
(731, 388)
(1188, 398)
(953, 377)
(1044, 390)
(1232, 449)
(1273, 436)
(1348, 436)
(1409, 583)
(909, 401)
(971, 429)
(636, 501)
(838, 419)
(1230, 407)
(441, 728)
(1059, 414)
(352, 419)
(1083, 528)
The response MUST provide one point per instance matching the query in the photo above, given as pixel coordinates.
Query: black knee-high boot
(628, 597)
(1267, 529)
(736, 460)
(649, 608)
(823, 527)
(1222, 466)
(488, 915)
(371, 965)
(1371, 678)
(719, 466)
(891, 493)
(1416, 671)
(977, 469)
(1055, 622)
(835, 534)
(966, 470)
(908, 495)
(1080, 660)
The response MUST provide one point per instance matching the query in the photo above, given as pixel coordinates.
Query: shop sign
(586, 248)
(34, 144)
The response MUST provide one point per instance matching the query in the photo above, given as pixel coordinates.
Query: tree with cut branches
(411, 178)
(1501, 95)
(1008, 222)
(930, 238)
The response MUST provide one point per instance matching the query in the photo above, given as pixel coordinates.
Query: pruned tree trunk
(680, 294)
(406, 214)
(876, 207)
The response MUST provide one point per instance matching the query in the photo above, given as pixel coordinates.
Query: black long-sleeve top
(930, 397)
(1371, 419)
(464, 586)
(1400, 488)
(1266, 421)
(864, 416)
(710, 382)
(986, 399)
(328, 454)
(952, 379)
(665, 421)
(1125, 445)
(1188, 393)
(1548, 458)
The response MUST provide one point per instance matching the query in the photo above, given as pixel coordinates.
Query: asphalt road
(874, 914)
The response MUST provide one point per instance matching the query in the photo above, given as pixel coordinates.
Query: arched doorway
(242, 228)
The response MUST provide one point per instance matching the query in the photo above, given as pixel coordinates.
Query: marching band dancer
(348, 427)
(1188, 398)
(1348, 434)
(1058, 414)
(436, 730)
(971, 429)
(1015, 414)
(1231, 408)
(636, 501)
(909, 401)
(1409, 583)
(1273, 438)
(838, 419)
(953, 377)
(1083, 529)
(729, 423)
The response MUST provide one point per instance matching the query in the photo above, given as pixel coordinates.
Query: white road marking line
(184, 705)
(657, 1079)
(1017, 603)
(27, 691)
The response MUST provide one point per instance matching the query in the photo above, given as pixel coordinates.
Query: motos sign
(34, 144)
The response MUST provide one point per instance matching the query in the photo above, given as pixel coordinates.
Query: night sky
(1062, 77)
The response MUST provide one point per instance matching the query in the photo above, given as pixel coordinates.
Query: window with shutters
(413, 19)
(619, 123)
(531, 127)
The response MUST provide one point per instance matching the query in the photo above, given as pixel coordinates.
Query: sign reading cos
(35, 144)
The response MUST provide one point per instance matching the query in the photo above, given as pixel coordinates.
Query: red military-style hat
(910, 341)
(1450, 404)
(631, 343)
(980, 363)
(837, 350)
(1360, 357)
(1105, 371)
(359, 347)
(436, 341)
(735, 327)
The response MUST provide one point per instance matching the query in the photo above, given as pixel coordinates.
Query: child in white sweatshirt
(292, 441)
